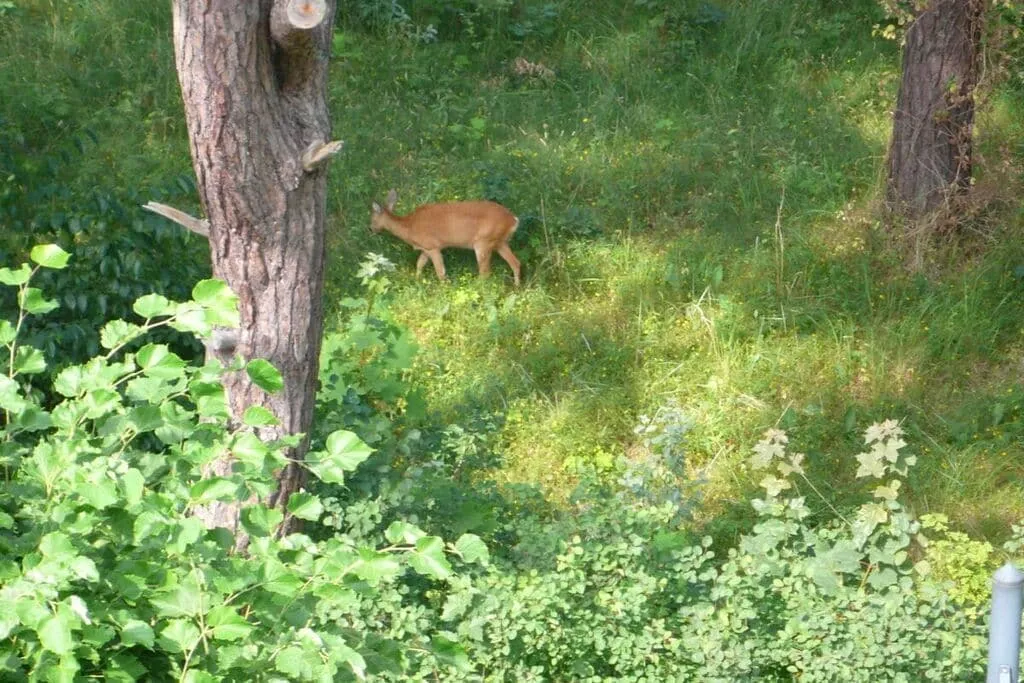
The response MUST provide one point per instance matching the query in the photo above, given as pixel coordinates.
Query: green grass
(697, 211)
(698, 224)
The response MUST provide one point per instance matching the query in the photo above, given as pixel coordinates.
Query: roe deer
(484, 227)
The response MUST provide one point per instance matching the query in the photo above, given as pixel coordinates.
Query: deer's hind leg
(506, 253)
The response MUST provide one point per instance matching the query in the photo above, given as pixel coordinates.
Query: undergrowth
(696, 184)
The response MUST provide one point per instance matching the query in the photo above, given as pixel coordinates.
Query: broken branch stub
(319, 152)
(187, 221)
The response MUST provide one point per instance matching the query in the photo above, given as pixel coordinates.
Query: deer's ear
(376, 208)
(392, 198)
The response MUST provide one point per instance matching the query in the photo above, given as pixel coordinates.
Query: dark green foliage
(694, 183)
(62, 181)
(105, 572)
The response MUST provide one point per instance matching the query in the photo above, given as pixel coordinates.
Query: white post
(1004, 626)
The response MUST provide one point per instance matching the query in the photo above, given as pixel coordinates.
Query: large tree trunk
(930, 154)
(253, 79)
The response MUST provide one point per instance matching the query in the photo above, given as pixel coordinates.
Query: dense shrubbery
(105, 573)
(627, 598)
(119, 249)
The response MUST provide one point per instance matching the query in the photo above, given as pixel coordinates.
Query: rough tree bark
(930, 152)
(253, 78)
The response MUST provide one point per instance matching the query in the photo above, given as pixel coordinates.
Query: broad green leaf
(152, 390)
(64, 670)
(260, 521)
(156, 360)
(123, 668)
(258, 416)
(249, 449)
(281, 580)
(137, 632)
(57, 546)
(305, 506)
(883, 579)
(354, 660)
(403, 532)
(10, 395)
(213, 406)
(345, 451)
(179, 601)
(450, 652)
(133, 484)
(8, 619)
(178, 423)
(472, 549)
(8, 333)
(144, 418)
(85, 569)
(296, 662)
(70, 381)
(31, 613)
(264, 375)
(228, 624)
(33, 419)
(49, 256)
(180, 635)
(97, 635)
(15, 277)
(28, 360)
(55, 634)
(214, 488)
(100, 494)
(118, 332)
(148, 523)
(33, 301)
(129, 586)
(456, 605)
(100, 402)
(189, 530)
(428, 558)
(374, 566)
(190, 317)
(209, 290)
(152, 306)
(220, 302)
(348, 449)
(326, 470)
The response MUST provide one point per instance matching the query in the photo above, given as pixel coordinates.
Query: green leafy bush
(620, 592)
(421, 469)
(105, 574)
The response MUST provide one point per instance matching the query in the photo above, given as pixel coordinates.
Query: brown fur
(483, 226)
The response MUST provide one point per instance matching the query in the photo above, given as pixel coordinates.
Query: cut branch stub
(305, 14)
(319, 152)
(187, 221)
(291, 19)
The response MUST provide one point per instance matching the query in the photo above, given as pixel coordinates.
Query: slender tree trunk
(253, 78)
(930, 153)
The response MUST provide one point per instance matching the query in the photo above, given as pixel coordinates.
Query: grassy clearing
(698, 226)
(697, 205)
